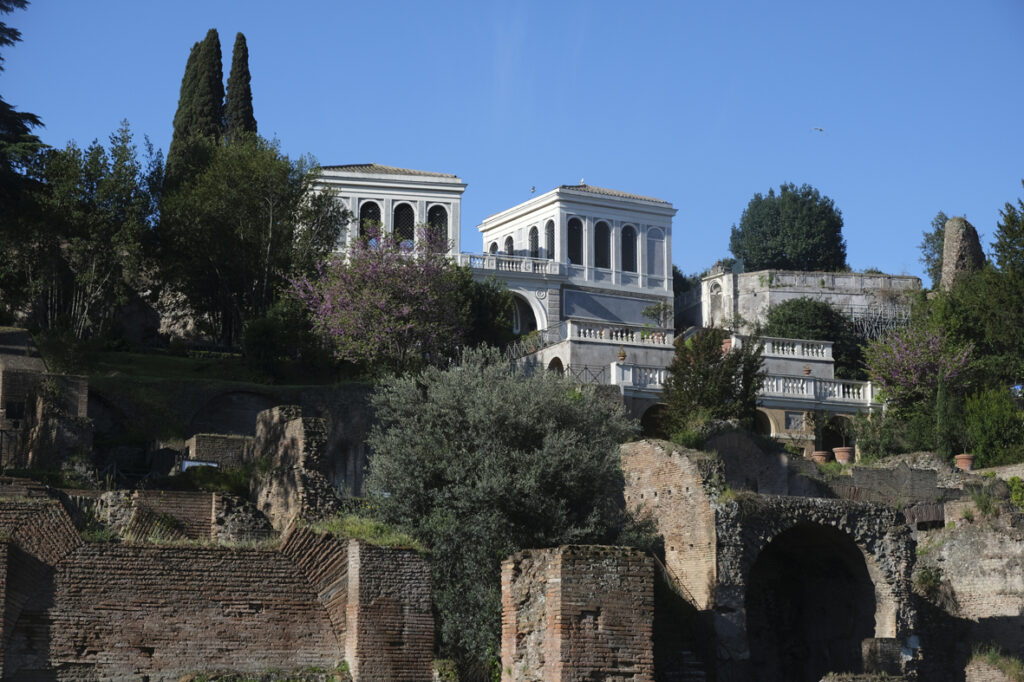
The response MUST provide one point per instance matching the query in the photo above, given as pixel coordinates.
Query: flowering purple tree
(389, 305)
(910, 364)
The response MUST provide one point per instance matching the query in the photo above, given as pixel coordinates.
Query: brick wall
(578, 613)
(192, 510)
(124, 611)
(75, 611)
(664, 480)
(225, 449)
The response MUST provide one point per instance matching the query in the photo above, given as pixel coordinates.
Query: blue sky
(702, 104)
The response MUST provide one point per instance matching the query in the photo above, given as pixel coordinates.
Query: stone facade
(79, 611)
(578, 613)
(761, 567)
(224, 450)
(961, 251)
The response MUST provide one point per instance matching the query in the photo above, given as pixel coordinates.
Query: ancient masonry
(85, 611)
(578, 613)
(961, 251)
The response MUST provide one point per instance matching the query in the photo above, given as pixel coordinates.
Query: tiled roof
(611, 193)
(377, 169)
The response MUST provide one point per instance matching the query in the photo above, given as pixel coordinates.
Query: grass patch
(993, 656)
(830, 471)
(368, 530)
(234, 481)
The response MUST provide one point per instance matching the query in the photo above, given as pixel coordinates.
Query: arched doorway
(652, 422)
(810, 602)
(556, 366)
(762, 423)
(523, 319)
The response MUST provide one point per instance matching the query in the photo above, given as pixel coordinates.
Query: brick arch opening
(811, 599)
(652, 421)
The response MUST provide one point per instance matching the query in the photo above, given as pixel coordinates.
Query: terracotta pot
(965, 461)
(844, 454)
(821, 456)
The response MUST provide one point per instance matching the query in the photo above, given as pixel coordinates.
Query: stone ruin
(961, 251)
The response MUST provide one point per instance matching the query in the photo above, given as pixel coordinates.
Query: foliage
(231, 235)
(1008, 247)
(950, 431)
(199, 119)
(1016, 486)
(478, 461)
(995, 427)
(806, 318)
(389, 305)
(234, 481)
(928, 581)
(682, 282)
(983, 499)
(1011, 667)
(660, 313)
(706, 383)
(83, 244)
(368, 530)
(796, 229)
(908, 365)
(932, 244)
(238, 115)
(490, 310)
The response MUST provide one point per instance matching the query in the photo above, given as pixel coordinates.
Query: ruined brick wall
(390, 625)
(226, 450)
(674, 486)
(193, 511)
(121, 610)
(980, 563)
(578, 613)
(293, 449)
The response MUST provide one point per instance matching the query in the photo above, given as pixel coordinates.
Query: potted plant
(817, 421)
(622, 353)
(844, 452)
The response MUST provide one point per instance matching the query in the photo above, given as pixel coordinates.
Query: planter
(844, 454)
(821, 456)
(964, 461)
(622, 354)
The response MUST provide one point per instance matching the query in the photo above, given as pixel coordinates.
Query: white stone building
(397, 198)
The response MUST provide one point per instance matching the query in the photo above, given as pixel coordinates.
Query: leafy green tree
(94, 209)
(806, 318)
(479, 461)
(707, 381)
(796, 229)
(238, 113)
(17, 147)
(1008, 248)
(931, 246)
(232, 235)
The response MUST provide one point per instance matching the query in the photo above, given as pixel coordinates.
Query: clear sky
(699, 103)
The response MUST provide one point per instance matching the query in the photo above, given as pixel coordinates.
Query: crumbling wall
(675, 486)
(75, 611)
(578, 613)
(225, 450)
(292, 450)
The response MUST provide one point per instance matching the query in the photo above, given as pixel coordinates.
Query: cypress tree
(183, 116)
(208, 96)
(238, 105)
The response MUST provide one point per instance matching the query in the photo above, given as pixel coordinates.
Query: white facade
(581, 252)
(398, 198)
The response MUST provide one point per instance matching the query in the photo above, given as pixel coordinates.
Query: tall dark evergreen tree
(238, 105)
(208, 96)
(183, 127)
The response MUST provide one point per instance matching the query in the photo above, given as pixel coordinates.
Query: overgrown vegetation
(992, 655)
(369, 530)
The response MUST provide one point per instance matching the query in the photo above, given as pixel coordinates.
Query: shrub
(995, 427)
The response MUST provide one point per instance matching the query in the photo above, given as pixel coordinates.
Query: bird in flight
(819, 130)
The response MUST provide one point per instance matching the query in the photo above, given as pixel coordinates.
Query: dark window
(15, 410)
(534, 243)
(404, 224)
(369, 215)
(575, 241)
(602, 245)
(437, 219)
(494, 248)
(549, 240)
(509, 247)
(628, 249)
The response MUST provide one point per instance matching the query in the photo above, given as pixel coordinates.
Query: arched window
(493, 248)
(369, 215)
(549, 240)
(575, 241)
(602, 245)
(509, 247)
(437, 219)
(534, 243)
(656, 252)
(404, 225)
(629, 249)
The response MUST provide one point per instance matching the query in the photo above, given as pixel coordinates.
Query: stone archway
(556, 365)
(524, 320)
(652, 422)
(810, 602)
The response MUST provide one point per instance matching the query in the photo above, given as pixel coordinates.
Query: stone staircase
(686, 668)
